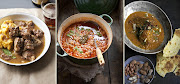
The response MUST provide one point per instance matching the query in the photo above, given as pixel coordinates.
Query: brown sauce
(144, 30)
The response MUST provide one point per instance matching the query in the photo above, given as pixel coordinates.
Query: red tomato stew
(78, 39)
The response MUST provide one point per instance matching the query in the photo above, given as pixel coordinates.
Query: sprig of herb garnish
(68, 35)
(71, 31)
(82, 28)
(13, 57)
(157, 31)
(99, 34)
(88, 30)
(78, 49)
(77, 28)
(7, 52)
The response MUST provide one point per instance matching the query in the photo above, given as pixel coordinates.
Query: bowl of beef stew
(24, 39)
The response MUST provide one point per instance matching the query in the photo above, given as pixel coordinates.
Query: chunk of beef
(38, 33)
(147, 36)
(18, 44)
(14, 32)
(5, 57)
(28, 45)
(30, 24)
(26, 33)
(29, 55)
(36, 41)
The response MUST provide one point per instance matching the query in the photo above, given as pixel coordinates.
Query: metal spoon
(99, 54)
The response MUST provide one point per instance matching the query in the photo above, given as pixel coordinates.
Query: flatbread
(166, 64)
(173, 46)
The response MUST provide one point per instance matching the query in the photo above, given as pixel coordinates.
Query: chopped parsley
(78, 49)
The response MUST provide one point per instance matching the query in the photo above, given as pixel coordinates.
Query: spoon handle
(100, 56)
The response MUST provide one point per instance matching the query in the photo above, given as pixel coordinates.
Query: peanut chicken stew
(144, 30)
(19, 41)
(78, 39)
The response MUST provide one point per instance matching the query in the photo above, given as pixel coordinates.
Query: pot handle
(108, 17)
(62, 55)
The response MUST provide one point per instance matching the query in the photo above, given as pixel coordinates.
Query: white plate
(39, 23)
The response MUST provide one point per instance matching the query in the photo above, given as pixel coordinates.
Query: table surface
(171, 8)
(112, 73)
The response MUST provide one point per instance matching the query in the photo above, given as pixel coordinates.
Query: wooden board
(113, 68)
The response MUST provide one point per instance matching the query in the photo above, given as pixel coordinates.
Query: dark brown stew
(144, 30)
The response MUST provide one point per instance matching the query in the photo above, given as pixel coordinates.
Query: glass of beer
(49, 14)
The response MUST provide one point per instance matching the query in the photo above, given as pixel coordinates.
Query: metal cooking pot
(85, 17)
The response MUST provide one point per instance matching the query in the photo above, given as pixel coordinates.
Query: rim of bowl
(42, 54)
(144, 49)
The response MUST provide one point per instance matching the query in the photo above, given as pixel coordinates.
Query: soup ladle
(99, 54)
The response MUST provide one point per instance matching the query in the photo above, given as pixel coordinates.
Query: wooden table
(112, 73)
(171, 8)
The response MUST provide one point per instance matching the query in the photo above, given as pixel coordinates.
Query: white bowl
(39, 23)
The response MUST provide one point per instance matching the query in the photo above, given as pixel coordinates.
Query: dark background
(171, 8)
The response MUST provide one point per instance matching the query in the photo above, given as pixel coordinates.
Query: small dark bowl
(141, 59)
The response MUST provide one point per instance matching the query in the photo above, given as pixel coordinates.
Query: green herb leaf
(156, 38)
(68, 35)
(82, 28)
(71, 31)
(157, 32)
(78, 49)
(77, 34)
(77, 27)
(88, 30)
(98, 33)
(7, 52)
(81, 51)
(13, 57)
